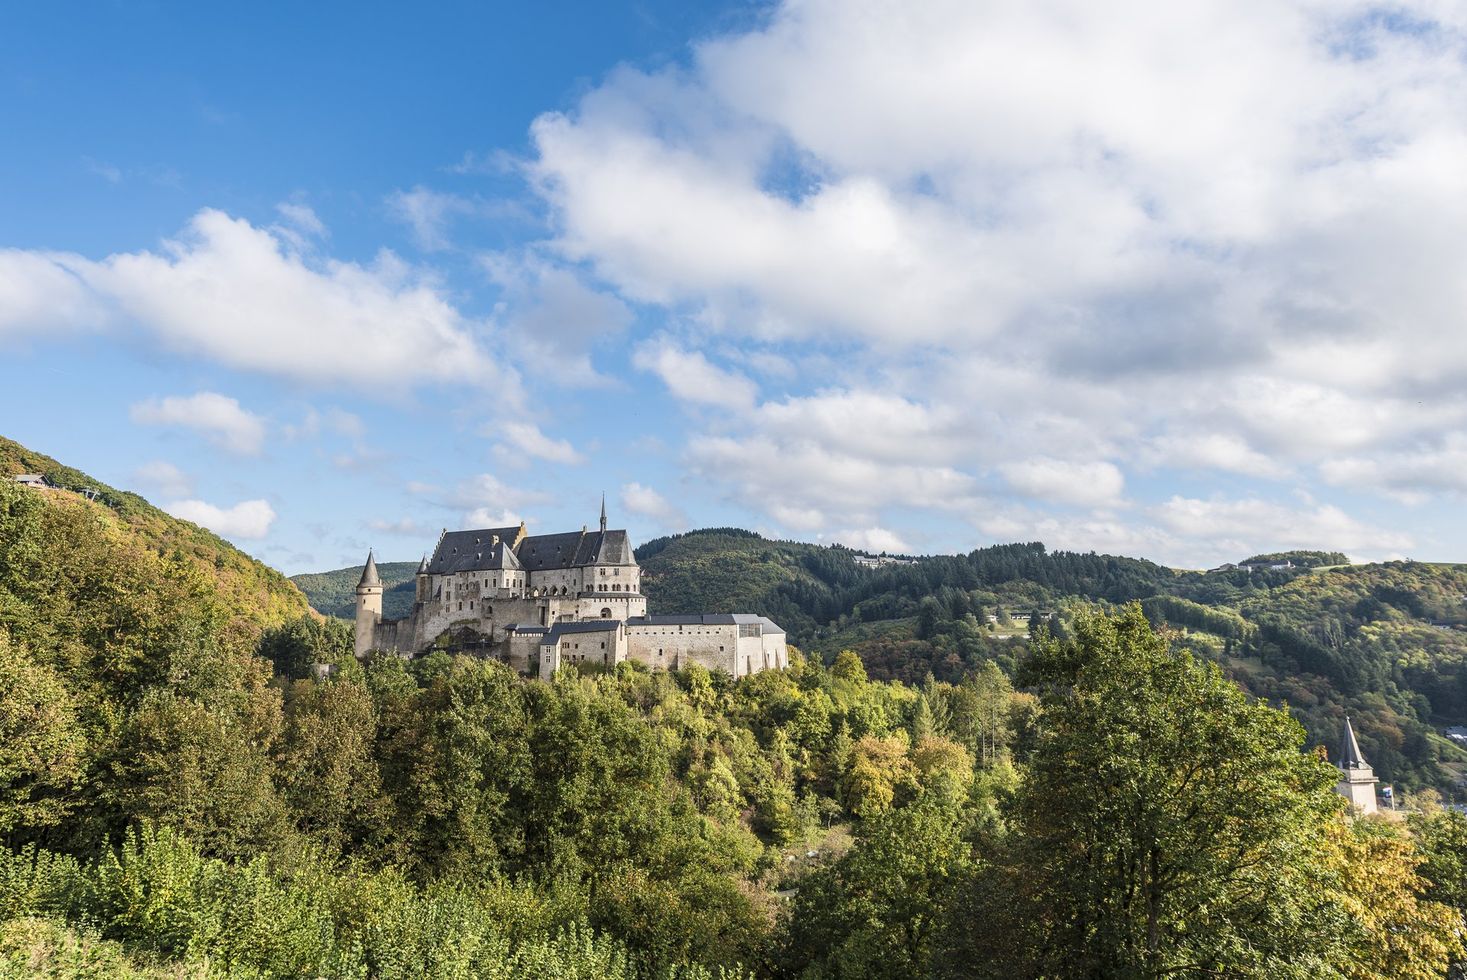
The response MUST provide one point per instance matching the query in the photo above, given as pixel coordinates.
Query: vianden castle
(538, 601)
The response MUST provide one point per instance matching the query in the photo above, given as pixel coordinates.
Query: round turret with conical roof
(369, 606)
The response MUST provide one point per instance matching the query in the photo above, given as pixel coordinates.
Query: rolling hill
(1385, 643)
(250, 591)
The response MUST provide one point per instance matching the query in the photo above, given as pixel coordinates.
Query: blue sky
(1183, 284)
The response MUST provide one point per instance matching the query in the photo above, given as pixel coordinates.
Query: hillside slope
(251, 590)
(334, 593)
(1386, 644)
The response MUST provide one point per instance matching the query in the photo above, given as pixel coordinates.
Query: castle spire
(369, 573)
(1350, 757)
(423, 566)
(603, 512)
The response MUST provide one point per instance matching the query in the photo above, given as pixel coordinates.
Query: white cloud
(1085, 484)
(551, 312)
(1410, 475)
(483, 500)
(1222, 238)
(1252, 525)
(873, 539)
(646, 502)
(406, 527)
(220, 418)
(871, 424)
(526, 438)
(427, 214)
(164, 478)
(692, 378)
(39, 295)
(245, 297)
(806, 486)
(302, 220)
(249, 519)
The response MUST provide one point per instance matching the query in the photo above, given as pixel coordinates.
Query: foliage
(183, 790)
(334, 593)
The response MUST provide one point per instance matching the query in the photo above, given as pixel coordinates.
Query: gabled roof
(583, 626)
(709, 619)
(1350, 757)
(574, 549)
(484, 549)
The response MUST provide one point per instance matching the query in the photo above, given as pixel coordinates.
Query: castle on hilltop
(538, 601)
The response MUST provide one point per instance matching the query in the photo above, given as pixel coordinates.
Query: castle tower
(423, 581)
(1357, 779)
(369, 606)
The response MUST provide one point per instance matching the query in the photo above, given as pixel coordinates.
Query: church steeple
(603, 513)
(1350, 757)
(1357, 779)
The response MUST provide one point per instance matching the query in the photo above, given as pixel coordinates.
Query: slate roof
(475, 551)
(709, 619)
(1350, 757)
(573, 549)
(369, 573)
(583, 626)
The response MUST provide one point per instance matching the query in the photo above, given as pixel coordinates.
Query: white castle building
(539, 601)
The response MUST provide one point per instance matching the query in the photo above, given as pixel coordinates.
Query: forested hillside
(334, 593)
(183, 792)
(251, 591)
(1385, 643)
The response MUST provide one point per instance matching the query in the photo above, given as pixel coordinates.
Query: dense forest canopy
(1386, 643)
(195, 783)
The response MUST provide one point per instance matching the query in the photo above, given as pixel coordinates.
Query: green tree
(1168, 825)
(41, 745)
(877, 912)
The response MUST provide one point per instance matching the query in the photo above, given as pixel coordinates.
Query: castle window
(606, 613)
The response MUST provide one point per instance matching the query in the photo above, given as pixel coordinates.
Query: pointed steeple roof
(1350, 757)
(603, 512)
(369, 573)
(423, 566)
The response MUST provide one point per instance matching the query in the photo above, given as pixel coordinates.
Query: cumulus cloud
(39, 294)
(549, 311)
(525, 438)
(164, 478)
(248, 519)
(1248, 525)
(1091, 484)
(218, 417)
(691, 377)
(427, 214)
(247, 298)
(1108, 241)
(646, 502)
(873, 539)
(808, 487)
(405, 527)
(482, 500)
